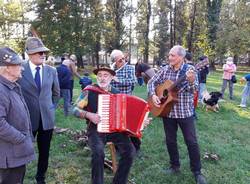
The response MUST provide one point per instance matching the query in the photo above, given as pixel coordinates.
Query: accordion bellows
(121, 113)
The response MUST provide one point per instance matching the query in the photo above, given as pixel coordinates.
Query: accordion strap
(96, 89)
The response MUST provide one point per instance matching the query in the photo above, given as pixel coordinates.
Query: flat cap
(9, 57)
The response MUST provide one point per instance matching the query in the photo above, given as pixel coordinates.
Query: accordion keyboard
(104, 112)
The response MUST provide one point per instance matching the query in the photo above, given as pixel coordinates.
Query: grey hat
(9, 57)
(35, 45)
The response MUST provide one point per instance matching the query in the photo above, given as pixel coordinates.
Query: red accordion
(121, 113)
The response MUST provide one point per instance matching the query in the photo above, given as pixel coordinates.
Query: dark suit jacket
(41, 104)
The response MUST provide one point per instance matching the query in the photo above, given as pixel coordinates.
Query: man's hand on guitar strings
(156, 100)
(190, 76)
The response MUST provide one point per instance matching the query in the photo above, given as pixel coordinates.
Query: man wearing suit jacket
(41, 91)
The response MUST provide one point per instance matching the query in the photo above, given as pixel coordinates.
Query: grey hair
(2, 69)
(180, 50)
(115, 53)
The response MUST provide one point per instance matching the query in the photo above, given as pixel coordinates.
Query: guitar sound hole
(165, 93)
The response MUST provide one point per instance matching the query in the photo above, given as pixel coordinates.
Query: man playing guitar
(181, 113)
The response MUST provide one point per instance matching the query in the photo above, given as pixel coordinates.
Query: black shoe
(40, 179)
(200, 179)
(172, 170)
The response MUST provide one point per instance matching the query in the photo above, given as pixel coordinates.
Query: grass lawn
(225, 133)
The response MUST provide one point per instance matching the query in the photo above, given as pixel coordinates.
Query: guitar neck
(179, 80)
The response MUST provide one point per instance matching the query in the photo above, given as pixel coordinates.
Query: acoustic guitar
(167, 93)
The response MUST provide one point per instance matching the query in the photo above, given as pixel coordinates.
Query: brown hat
(35, 45)
(9, 57)
(104, 68)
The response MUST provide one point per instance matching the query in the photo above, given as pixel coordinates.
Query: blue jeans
(65, 94)
(245, 95)
(224, 86)
(202, 88)
(140, 81)
(187, 127)
(124, 147)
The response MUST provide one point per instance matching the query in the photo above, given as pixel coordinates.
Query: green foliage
(224, 133)
(234, 31)
(12, 21)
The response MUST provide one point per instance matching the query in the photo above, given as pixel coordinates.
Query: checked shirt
(185, 106)
(127, 79)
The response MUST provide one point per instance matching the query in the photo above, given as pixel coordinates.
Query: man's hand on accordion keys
(93, 117)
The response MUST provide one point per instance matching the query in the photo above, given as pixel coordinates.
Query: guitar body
(168, 98)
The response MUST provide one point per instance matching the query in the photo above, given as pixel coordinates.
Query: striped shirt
(127, 79)
(185, 105)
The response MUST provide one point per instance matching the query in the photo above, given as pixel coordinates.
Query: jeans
(187, 126)
(202, 88)
(124, 147)
(224, 86)
(65, 94)
(245, 95)
(140, 81)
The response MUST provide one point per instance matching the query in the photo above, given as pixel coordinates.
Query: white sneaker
(243, 106)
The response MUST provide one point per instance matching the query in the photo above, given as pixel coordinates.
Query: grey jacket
(16, 147)
(41, 104)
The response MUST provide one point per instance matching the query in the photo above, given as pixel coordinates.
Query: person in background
(246, 90)
(229, 70)
(71, 64)
(138, 74)
(181, 113)
(85, 80)
(144, 70)
(202, 76)
(86, 108)
(64, 78)
(188, 60)
(16, 147)
(124, 81)
(41, 92)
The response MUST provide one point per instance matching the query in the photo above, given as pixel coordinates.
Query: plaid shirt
(185, 105)
(127, 79)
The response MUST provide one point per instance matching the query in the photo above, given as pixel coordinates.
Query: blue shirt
(64, 76)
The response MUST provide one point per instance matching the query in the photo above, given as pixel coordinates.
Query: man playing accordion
(86, 108)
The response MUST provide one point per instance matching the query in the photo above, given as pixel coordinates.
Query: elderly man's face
(119, 61)
(38, 58)
(14, 72)
(174, 58)
(103, 78)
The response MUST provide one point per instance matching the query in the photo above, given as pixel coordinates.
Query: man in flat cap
(41, 91)
(86, 110)
(15, 127)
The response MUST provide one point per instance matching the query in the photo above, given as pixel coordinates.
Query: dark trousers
(136, 142)
(124, 147)
(187, 126)
(43, 143)
(12, 175)
(71, 90)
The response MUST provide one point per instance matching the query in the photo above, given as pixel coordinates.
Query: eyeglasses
(41, 53)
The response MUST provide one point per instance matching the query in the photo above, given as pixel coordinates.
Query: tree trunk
(190, 37)
(147, 32)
